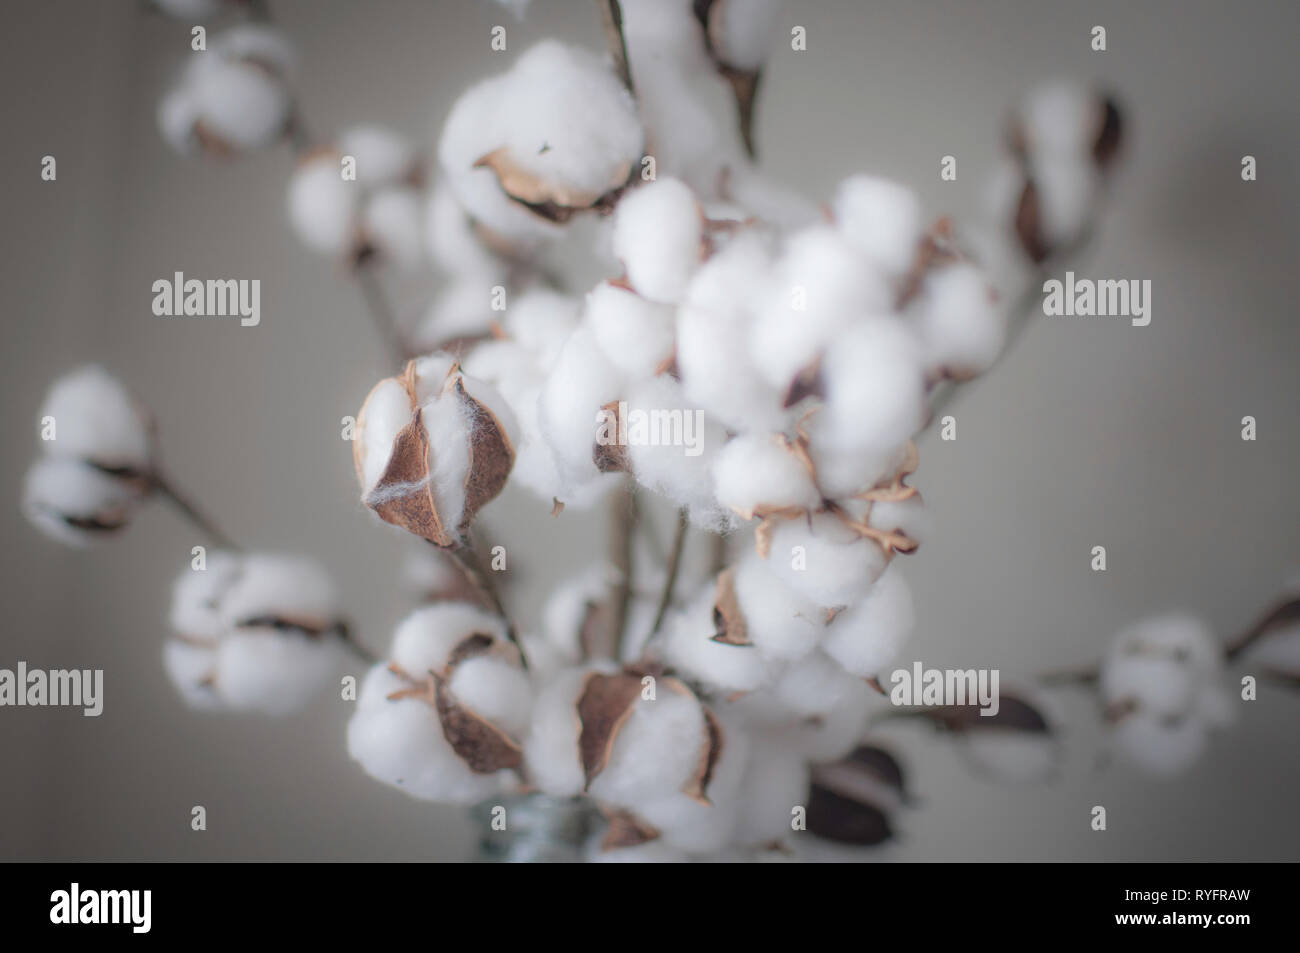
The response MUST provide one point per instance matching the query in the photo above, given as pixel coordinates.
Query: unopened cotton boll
(75, 503)
(780, 622)
(875, 387)
(93, 418)
(866, 637)
(817, 289)
(690, 648)
(233, 96)
(824, 560)
(658, 235)
(881, 219)
(635, 334)
(713, 330)
(962, 328)
(761, 472)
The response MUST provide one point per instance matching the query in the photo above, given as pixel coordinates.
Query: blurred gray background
(1090, 433)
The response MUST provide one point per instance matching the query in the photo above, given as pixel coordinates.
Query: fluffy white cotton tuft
(875, 387)
(689, 647)
(866, 638)
(656, 751)
(961, 326)
(1161, 746)
(581, 382)
(782, 624)
(95, 419)
(551, 748)
(881, 219)
(74, 503)
(197, 596)
(424, 639)
(744, 32)
(1060, 118)
(658, 235)
(1168, 667)
(763, 472)
(636, 335)
(824, 560)
(323, 206)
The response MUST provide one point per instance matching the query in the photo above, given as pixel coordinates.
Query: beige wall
(1091, 432)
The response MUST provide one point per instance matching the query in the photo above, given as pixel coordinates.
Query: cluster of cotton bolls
(233, 97)
(253, 632)
(1160, 683)
(97, 461)
(360, 197)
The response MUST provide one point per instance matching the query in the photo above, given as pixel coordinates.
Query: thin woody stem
(674, 567)
(1286, 612)
(161, 484)
(381, 312)
(467, 560)
(356, 648)
(623, 520)
(611, 24)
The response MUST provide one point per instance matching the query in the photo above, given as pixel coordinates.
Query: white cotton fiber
(1162, 747)
(817, 290)
(454, 246)
(812, 686)
(97, 420)
(867, 637)
(656, 751)
(782, 624)
(423, 640)
(842, 472)
(393, 222)
(875, 387)
(239, 102)
(689, 647)
(636, 335)
(57, 491)
(261, 669)
(961, 323)
(197, 595)
(1060, 118)
(881, 219)
(671, 445)
(323, 206)
(294, 588)
(447, 422)
(776, 781)
(382, 156)
(385, 413)
(190, 668)
(541, 320)
(551, 748)
(496, 689)
(658, 234)
(579, 384)
(744, 32)
(762, 470)
(824, 560)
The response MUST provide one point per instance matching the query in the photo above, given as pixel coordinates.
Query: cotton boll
(401, 743)
(424, 639)
(551, 747)
(671, 446)
(909, 517)
(197, 596)
(1166, 666)
(323, 206)
(382, 157)
(393, 224)
(875, 388)
(689, 647)
(1011, 757)
(239, 103)
(812, 686)
(656, 751)
(781, 623)
(962, 328)
(580, 383)
(74, 503)
(1160, 746)
(1067, 190)
(190, 667)
(455, 247)
(295, 589)
(743, 32)
(658, 235)
(866, 637)
(541, 320)
(881, 219)
(818, 287)
(636, 335)
(495, 689)
(1060, 118)
(263, 669)
(844, 472)
(95, 419)
(824, 560)
(763, 471)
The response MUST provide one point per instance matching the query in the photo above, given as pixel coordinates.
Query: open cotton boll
(382, 156)
(424, 640)
(761, 472)
(579, 384)
(401, 743)
(881, 219)
(781, 623)
(551, 748)
(1160, 746)
(961, 325)
(713, 327)
(636, 335)
(323, 206)
(271, 671)
(74, 503)
(496, 689)
(97, 420)
(875, 387)
(671, 446)
(393, 224)
(1166, 665)
(842, 472)
(1066, 190)
(690, 648)
(742, 33)
(386, 411)
(655, 753)
(817, 290)
(824, 560)
(658, 235)
(239, 103)
(867, 637)
(812, 686)
(1060, 117)
(190, 668)
(541, 320)
(197, 596)
(294, 589)
(1158, 685)
(776, 780)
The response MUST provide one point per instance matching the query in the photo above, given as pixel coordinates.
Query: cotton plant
(647, 266)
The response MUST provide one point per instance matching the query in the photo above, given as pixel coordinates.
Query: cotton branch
(190, 510)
